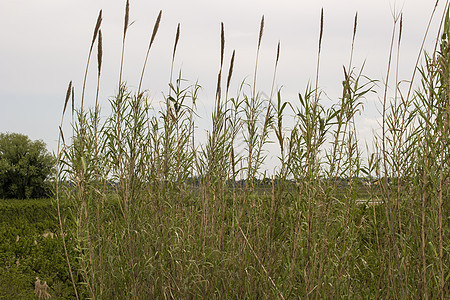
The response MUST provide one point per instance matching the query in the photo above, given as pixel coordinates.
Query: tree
(25, 167)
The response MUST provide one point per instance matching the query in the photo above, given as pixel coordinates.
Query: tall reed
(157, 212)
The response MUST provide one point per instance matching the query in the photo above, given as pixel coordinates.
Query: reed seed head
(155, 28)
(62, 136)
(99, 52)
(177, 37)
(222, 43)
(127, 16)
(261, 29)
(97, 27)
(218, 90)
(355, 25)
(230, 71)
(321, 29)
(73, 100)
(67, 96)
(278, 53)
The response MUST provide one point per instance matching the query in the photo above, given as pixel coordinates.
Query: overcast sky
(44, 45)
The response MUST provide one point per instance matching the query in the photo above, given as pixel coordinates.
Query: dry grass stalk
(40, 289)
(419, 55)
(259, 261)
(73, 101)
(57, 191)
(384, 185)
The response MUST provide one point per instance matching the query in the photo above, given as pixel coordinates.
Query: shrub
(25, 167)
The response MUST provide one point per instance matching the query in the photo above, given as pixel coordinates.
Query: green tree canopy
(25, 167)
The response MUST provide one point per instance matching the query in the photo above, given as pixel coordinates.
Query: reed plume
(177, 38)
(152, 39)
(69, 89)
(230, 71)
(222, 50)
(94, 37)
(261, 29)
(96, 29)
(99, 52)
(125, 29)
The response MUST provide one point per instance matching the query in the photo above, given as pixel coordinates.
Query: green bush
(25, 167)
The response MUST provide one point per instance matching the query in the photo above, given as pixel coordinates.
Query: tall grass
(161, 214)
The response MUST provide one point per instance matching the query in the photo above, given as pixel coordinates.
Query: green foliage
(25, 167)
(30, 247)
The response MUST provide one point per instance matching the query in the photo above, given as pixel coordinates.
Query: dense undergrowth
(29, 248)
(305, 236)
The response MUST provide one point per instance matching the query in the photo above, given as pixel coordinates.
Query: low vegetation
(156, 234)
(30, 247)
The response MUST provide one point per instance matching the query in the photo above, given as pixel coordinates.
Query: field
(145, 209)
(31, 246)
